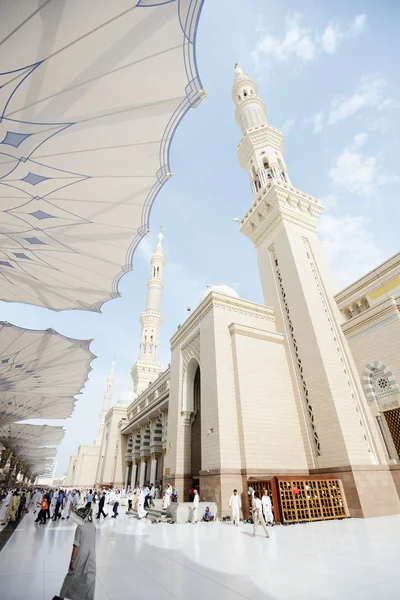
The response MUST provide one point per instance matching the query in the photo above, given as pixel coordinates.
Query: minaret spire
(146, 368)
(261, 148)
(106, 404)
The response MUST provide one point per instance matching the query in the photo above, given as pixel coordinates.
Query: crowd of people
(13, 504)
(81, 505)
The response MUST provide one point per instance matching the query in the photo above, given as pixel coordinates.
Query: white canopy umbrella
(40, 467)
(91, 93)
(40, 373)
(23, 435)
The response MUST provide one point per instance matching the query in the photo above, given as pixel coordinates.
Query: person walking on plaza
(51, 499)
(151, 496)
(146, 496)
(12, 509)
(116, 504)
(41, 518)
(4, 505)
(58, 508)
(80, 581)
(130, 497)
(267, 508)
(28, 496)
(67, 505)
(89, 499)
(166, 499)
(101, 506)
(21, 506)
(257, 515)
(195, 509)
(141, 511)
(235, 504)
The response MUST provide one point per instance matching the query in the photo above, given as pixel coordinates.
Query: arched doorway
(195, 447)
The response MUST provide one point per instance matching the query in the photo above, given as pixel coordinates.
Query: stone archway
(383, 394)
(195, 447)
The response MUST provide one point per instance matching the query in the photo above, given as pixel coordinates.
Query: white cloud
(358, 173)
(145, 248)
(351, 246)
(359, 141)
(299, 42)
(317, 121)
(358, 26)
(287, 126)
(330, 38)
(368, 93)
(353, 171)
(330, 201)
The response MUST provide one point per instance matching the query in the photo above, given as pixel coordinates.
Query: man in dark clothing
(49, 499)
(101, 506)
(60, 498)
(21, 506)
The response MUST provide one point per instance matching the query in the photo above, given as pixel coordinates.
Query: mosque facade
(301, 388)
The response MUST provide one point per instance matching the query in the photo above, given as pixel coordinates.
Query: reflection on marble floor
(340, 560)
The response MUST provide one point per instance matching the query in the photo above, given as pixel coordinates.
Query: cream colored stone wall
(109, 465)
(271, 437)
(250, 418)
(86, 466)
(337, 401)
(379, 341)
(69, 481)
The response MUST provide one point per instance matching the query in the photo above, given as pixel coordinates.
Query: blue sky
(328, 75)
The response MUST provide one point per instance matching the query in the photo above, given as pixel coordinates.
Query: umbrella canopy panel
(21, 435)
(91, 94)
(40, 373)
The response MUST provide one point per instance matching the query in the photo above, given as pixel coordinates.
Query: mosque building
(297, 393)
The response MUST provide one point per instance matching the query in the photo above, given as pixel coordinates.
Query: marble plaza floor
(340, 560)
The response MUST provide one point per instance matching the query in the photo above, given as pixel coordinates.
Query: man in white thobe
(236, 505)
(267, 508)
(140, 509)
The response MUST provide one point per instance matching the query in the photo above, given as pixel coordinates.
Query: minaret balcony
(256, 138)
(275, 202)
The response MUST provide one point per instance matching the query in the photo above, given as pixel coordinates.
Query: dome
(221, 289)
(126, 397)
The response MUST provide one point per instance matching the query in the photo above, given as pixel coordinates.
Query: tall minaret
(146, 368)
(106, 405)
(298, 284)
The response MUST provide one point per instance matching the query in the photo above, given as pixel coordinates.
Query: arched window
(380, 384)
(245, 93)
(379, 381)
(239, 97)
(158, 270)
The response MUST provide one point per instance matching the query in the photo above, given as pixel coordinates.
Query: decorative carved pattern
(305, 393)
(379, 381)
(190, 350)
(335, 335)
(393, 420)
(244, 311)
(356, 308)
